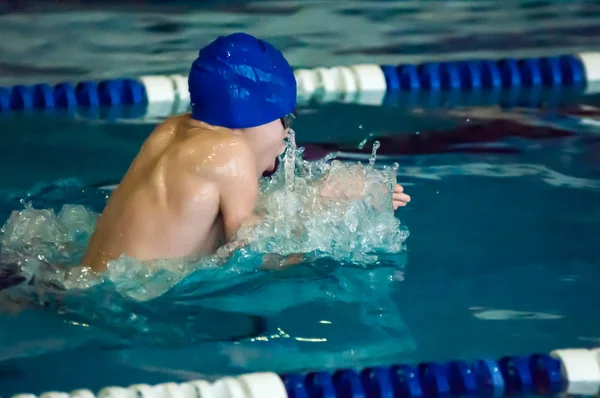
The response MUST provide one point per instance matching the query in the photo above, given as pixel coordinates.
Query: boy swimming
(195, 180)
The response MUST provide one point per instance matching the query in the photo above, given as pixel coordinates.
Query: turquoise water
(502, 256)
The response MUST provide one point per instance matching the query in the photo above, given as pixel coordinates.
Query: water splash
(310, 210)
(373, 156)
(362, 144)
(289, 162)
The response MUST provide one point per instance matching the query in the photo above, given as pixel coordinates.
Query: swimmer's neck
(198, 126)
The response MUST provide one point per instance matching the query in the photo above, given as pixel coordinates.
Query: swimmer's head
(240, 82)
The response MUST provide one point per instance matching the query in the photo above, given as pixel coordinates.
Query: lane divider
(553, 97)
(364, 84)
(567, 371)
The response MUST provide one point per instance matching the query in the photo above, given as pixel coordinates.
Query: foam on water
(309, 210)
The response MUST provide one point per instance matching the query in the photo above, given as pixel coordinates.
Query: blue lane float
(566, 372)
(536, 374)
(68, 95)
(360, 83)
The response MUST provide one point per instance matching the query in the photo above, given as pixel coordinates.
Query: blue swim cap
(239, 81)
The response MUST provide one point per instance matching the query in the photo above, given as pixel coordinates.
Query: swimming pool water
(502, 257)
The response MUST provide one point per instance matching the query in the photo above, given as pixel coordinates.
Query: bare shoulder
(170, 124)
(220, 154)
(162, 133)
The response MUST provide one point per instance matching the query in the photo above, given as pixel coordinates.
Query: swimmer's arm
(238, 188)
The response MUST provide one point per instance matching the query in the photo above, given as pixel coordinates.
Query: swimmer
(195, 180)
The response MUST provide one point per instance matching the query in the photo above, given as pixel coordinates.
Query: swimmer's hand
(399, 198)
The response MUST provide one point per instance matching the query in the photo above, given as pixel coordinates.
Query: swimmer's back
(167, 205)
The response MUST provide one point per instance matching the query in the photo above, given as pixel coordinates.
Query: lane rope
(566, 371)
(364, 84)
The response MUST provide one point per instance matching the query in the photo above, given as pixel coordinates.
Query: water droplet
(373, 156)
(289, 163)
